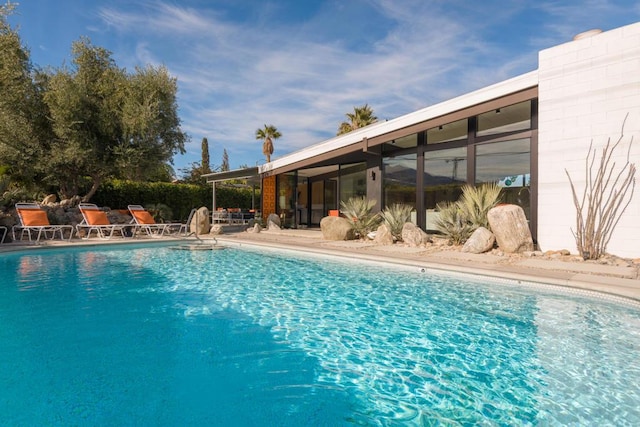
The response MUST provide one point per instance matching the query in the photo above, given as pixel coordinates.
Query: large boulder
(200, 223)
(255, 229)
(336, 228)
(216, 229)
(413, 235)
(509, 225)
(273, 222)
(117, 217)
(70, 203)
(481, 241)
(50, 199)
(383, 235)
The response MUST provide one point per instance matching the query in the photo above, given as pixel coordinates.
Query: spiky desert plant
(357, 210)
(476, 202)
(395, 216)
(606, 195)
(453, 223)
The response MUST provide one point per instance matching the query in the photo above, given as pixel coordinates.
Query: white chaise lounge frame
(103, 231)
(40, 230)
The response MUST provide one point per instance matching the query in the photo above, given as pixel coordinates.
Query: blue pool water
(153, 336)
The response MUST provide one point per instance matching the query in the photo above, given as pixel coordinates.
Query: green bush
(179, 198)
(395, 216)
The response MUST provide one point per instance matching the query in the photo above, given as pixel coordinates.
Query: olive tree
(108, 122)
(24, 129)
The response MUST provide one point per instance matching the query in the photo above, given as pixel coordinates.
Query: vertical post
(421, 212)
(213, 196)
(253, 196)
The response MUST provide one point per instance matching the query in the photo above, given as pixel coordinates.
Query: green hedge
(181, 198)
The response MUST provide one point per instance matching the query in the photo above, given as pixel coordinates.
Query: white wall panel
(586, 87)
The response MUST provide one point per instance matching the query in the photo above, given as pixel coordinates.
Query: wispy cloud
(237, 73)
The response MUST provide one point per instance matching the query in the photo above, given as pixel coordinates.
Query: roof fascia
(374, 133)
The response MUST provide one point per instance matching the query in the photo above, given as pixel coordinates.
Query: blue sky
(301, 65)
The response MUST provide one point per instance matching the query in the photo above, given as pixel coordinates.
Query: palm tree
(361, 117)
(268, 134)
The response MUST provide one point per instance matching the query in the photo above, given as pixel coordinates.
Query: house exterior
(529, 134)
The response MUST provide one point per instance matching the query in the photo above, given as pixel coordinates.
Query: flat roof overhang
(250, 174)
(512, 91)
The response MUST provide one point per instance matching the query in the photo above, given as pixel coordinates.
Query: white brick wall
(586, 87)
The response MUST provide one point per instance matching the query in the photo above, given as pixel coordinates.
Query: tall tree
(24, 127)
(225, 161)
(268, 134)
(151, 132)
(361, 117)
(206, 161)
(108, 122)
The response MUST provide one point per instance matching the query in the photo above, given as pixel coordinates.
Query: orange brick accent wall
(268, 196)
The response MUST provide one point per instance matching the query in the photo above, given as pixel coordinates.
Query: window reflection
(445, 172)
(302, 208)
(353, 181)
(287, 199)
(508, 164)
(453, 131)
(399, 184)
(505, 119)
(409, 141)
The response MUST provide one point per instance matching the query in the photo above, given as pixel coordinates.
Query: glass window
(287, 199)
(318, 210)
(330, 195)
(508, 164)
(445, 173)
(302, 200)
(505, 119)
(453, 131)
(409, 141)
(399, 184)
(353, 181)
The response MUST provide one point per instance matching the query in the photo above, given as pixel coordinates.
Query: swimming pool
(152, 336)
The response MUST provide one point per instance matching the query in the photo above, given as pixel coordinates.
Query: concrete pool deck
(616, 280)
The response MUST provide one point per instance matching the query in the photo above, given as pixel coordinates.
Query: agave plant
(476, 202)
(453, 223)
(459, 219)
(357, 210)
(395, 216)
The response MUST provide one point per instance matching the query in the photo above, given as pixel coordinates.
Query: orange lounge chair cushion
(96, 217)
(34, 217)
(143, 217)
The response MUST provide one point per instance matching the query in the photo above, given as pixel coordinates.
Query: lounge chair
(33, 219)
(145, 222)
(95, 219)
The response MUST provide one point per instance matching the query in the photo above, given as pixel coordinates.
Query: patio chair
(95, 219)
(3, 229)
(145, 222)
(33, 219)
